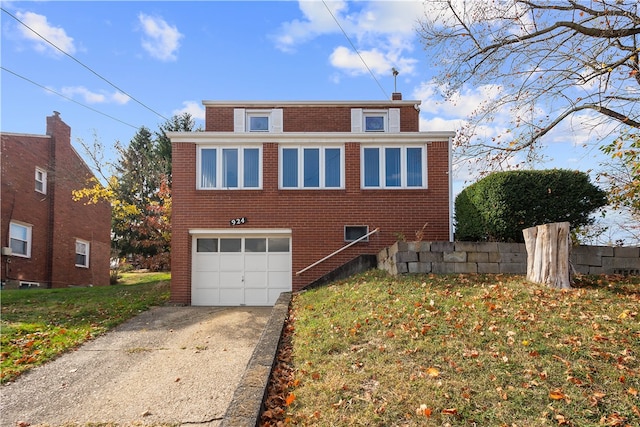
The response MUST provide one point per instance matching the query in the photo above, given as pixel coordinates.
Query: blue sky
(169, 56)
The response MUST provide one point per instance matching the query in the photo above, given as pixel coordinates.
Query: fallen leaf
(633, 392)
(450, 411)
(290, 398)
(433, 372)
(557, 394)
(424, 410)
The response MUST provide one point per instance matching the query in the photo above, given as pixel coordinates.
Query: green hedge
(499, 206)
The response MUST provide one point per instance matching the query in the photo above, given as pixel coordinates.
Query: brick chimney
(396, 96)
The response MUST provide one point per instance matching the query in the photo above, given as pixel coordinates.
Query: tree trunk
(548, 254)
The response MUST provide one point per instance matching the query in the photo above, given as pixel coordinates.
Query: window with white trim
(229, 168)
(20, 239)
(312, 167)
(263, 120)
(385, 120)
(82, 253)
(41, 180)
(394, 167)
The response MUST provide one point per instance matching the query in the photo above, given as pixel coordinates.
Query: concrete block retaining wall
(498, 257)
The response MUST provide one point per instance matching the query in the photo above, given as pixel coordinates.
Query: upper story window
(312, 167)
(82, 253)
(222, 168)
(387, 120)
(394, 167)
(246, 120)
(41, 180)
(20, 239)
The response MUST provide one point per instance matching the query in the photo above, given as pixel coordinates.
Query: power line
(66, 97)
(85, 66)
(355, 49)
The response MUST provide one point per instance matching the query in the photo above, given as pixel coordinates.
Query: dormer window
(246, 120)
(375, 122)
(387, 120)
(258, 122)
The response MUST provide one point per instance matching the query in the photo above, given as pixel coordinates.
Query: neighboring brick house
(270, 188)
(48, 239)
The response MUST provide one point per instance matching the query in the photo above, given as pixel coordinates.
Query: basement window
(354, 232)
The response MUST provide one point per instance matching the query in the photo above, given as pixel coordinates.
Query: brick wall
(310, 118)
(57, 221)
(316, 217)
(493, 258)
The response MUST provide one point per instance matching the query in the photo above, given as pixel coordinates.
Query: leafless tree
(545, 62)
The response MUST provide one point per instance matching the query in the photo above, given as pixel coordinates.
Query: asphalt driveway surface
(169, 365)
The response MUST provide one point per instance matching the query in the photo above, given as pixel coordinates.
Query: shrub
(499, 206)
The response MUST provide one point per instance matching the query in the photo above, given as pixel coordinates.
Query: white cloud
(55, 35)
(90, 97)
(160, 40)
(382, 32)
(195, 109)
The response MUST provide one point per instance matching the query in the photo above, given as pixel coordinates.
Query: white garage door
(236, 270)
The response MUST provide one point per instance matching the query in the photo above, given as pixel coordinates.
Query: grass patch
(40, 324)
(465, 350)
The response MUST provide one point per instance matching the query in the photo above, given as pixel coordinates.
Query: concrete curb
(246, 405)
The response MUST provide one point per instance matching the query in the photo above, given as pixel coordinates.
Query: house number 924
(238, 221)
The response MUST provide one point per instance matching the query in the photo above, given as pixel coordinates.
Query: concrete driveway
(169, 365)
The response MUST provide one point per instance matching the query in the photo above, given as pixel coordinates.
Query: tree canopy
(543, 62)
(499, 206)
(139, 191)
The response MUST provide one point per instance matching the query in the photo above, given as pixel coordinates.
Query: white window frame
(28, 228)
(390, 117)
(41, 179)
(403, 167)
(219, 167)
(87, 248)
(242, 120)
(375, 113)
(322, 167)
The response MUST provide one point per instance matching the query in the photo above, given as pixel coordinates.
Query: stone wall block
(419, 267)
(401, 268)
(455, 256)
(466, 267)
(442, 246)
(407, 257)
(513, 268)
(487, 247)
(466, 247)
(488, 268)
(627, 252)
(424, 256)
(477, 257)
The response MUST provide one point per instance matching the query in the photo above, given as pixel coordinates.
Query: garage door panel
(255, 262)
(207, 280)
(231, 262)
(205, 297)
(231, 296)
(279, 279)
(207, 262)
(255, 279)
(257, 297)
(231, 279)
(279, 262)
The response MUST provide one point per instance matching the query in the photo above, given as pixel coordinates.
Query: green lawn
(463, 351)
(39, 324)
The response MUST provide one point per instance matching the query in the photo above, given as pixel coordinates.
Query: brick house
(49, 240)
(270, 189)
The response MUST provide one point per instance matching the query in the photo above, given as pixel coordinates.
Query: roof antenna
(395, 75)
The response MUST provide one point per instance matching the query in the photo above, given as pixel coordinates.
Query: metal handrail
(337, 252)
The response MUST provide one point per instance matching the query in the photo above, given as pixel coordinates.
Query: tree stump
(548, 254)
